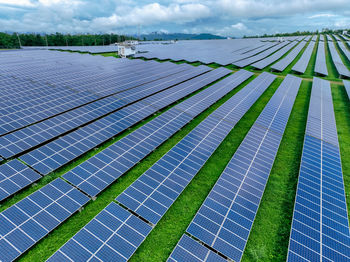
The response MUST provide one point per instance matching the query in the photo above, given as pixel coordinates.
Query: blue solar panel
(20, 112)
(304, 60)
(34, 135)
(226, 217)
(320, 65)
(26, 222)
(113, 235)
(14, 176)
(284, 62)
(51, 156)
(261, 55)
(320, 225)
(275, 56)
(190, 250)
(98, 172)
(343, 71)
(154, 192)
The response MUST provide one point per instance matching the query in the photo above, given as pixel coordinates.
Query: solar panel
(304, 60)
(343, 71)
(58, 103)
(345, 51)
(153, 193)
(320, 225)
(114, 234)
(98, 172)
(320, 65)
(14, 176)
(190, 250)
(34, 135)
(347, 87)
(26, 222)
(284, 62)
(262, 55)
(274, 57)
(226, 217)
(51, 156)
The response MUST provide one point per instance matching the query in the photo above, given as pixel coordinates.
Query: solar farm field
(213, 150)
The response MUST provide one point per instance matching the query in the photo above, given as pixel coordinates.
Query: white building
(126, 50)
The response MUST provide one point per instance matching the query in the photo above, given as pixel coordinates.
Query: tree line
(299, 33)
(13, 41)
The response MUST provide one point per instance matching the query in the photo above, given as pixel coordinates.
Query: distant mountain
(178, 36)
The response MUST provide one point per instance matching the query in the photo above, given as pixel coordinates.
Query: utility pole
(110, 38)
(19, 41)
(66, 41)
(95, 39)
(82, 42)
(47, 44)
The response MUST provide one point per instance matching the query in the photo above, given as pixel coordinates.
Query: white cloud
(321, 16)
(155, 14)
(17, 2)
(261, 8)
(224, 17)
(239, 26)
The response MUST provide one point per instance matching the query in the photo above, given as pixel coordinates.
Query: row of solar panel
(239, 77)
(226, 217)
(94, 138)
(320, 64)
(155, 191)
(11, 251)
(320, 225)
(53, 155)
(22, 117)
(284, 62)
(100, 171)
(343, 71)
(19, 141)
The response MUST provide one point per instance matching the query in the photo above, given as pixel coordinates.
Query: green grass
(161, 241)
(113, 54)
(269, 237)
(342, 115)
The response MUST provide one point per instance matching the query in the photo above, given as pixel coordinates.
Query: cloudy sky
(222, 17)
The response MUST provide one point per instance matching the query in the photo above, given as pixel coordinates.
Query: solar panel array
(260, 56)
(226, 217)
(65, 149)
(320, 65)
(284, 62)
(113, 235)
(304, 60)
(189, 249)
(274, 57)
(345, 50)
(89, 49)
(153, 193)
(98, 172)
(339, 65)
(159, 190)
(223, 52)
(320, 226)
(15, 176)
(76, 102)
(26, 222)
(34, 135)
